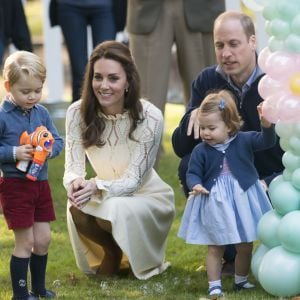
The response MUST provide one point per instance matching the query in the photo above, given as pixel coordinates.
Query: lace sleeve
(148, 136)
(74, 152)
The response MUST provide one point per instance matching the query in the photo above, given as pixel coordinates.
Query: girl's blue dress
(227, 215)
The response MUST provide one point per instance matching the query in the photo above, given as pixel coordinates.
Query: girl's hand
(24, 152)
(80, 191)
(199, 189)
(264, 122)
(264, 185)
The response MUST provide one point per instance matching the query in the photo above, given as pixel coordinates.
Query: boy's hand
(24, 152)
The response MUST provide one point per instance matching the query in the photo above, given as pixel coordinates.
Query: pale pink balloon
(270, 112)
(297, 61)
(289, 108)
(268, 86)
(270, 107)
(280, 65)
(262, 58)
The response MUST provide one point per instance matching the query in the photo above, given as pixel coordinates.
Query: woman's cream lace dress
(139, 205)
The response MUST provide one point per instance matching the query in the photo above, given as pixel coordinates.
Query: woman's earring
(126, 90)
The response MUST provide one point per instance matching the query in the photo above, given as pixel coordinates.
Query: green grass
(186, 279)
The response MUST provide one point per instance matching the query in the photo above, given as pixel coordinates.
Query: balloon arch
(276, 261)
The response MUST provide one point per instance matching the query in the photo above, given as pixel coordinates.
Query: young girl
(27, 204)
(227, 199)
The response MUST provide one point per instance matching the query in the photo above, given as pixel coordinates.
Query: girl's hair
(22, 63)
(93, 124)
(223, 102)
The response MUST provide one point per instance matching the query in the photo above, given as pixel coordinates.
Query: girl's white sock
(216, 283)
(239, 279)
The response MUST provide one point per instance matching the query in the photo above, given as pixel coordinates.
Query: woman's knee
(104, 224)
(79, 218)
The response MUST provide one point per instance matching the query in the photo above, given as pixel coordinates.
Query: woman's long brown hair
(93, 124)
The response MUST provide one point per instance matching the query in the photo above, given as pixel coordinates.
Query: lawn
(185, 279)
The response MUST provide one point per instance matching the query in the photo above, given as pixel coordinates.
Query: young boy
(26, 201)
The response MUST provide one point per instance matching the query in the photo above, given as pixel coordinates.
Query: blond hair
(222, 102)
(22, 63)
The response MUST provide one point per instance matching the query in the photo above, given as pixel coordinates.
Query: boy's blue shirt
(13, 122)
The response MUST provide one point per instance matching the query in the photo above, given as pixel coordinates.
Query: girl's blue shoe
(244, 285)
(215, 292)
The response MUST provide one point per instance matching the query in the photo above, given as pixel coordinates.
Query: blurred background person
(74, 17)
(13, 27)
(154, 26)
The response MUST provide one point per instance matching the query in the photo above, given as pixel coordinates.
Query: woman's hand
(80, 191)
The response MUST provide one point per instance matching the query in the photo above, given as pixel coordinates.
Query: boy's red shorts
(25, 202)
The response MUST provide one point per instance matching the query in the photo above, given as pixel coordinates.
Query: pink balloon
(262, 58)
(270, 108)
(297, 61)
(289, 108)
(268, 86)
(280, 65)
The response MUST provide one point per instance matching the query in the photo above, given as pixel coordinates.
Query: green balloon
(267, 228)
(268, 28)
(294, 144)
(297, 129)
(274, 183)
(289, 231)
(270, 12)
(295, 2)
(291, 161)
(285, 198)
(292, 43)
(287, 10)
(284, 130)
(257, 257)
(280, 28)
(279, 272)
(275, 44)
(287, 175)
(284, 144)
(295, 25)
(296, 179)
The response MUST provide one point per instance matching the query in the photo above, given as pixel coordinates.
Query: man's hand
(194, 124)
